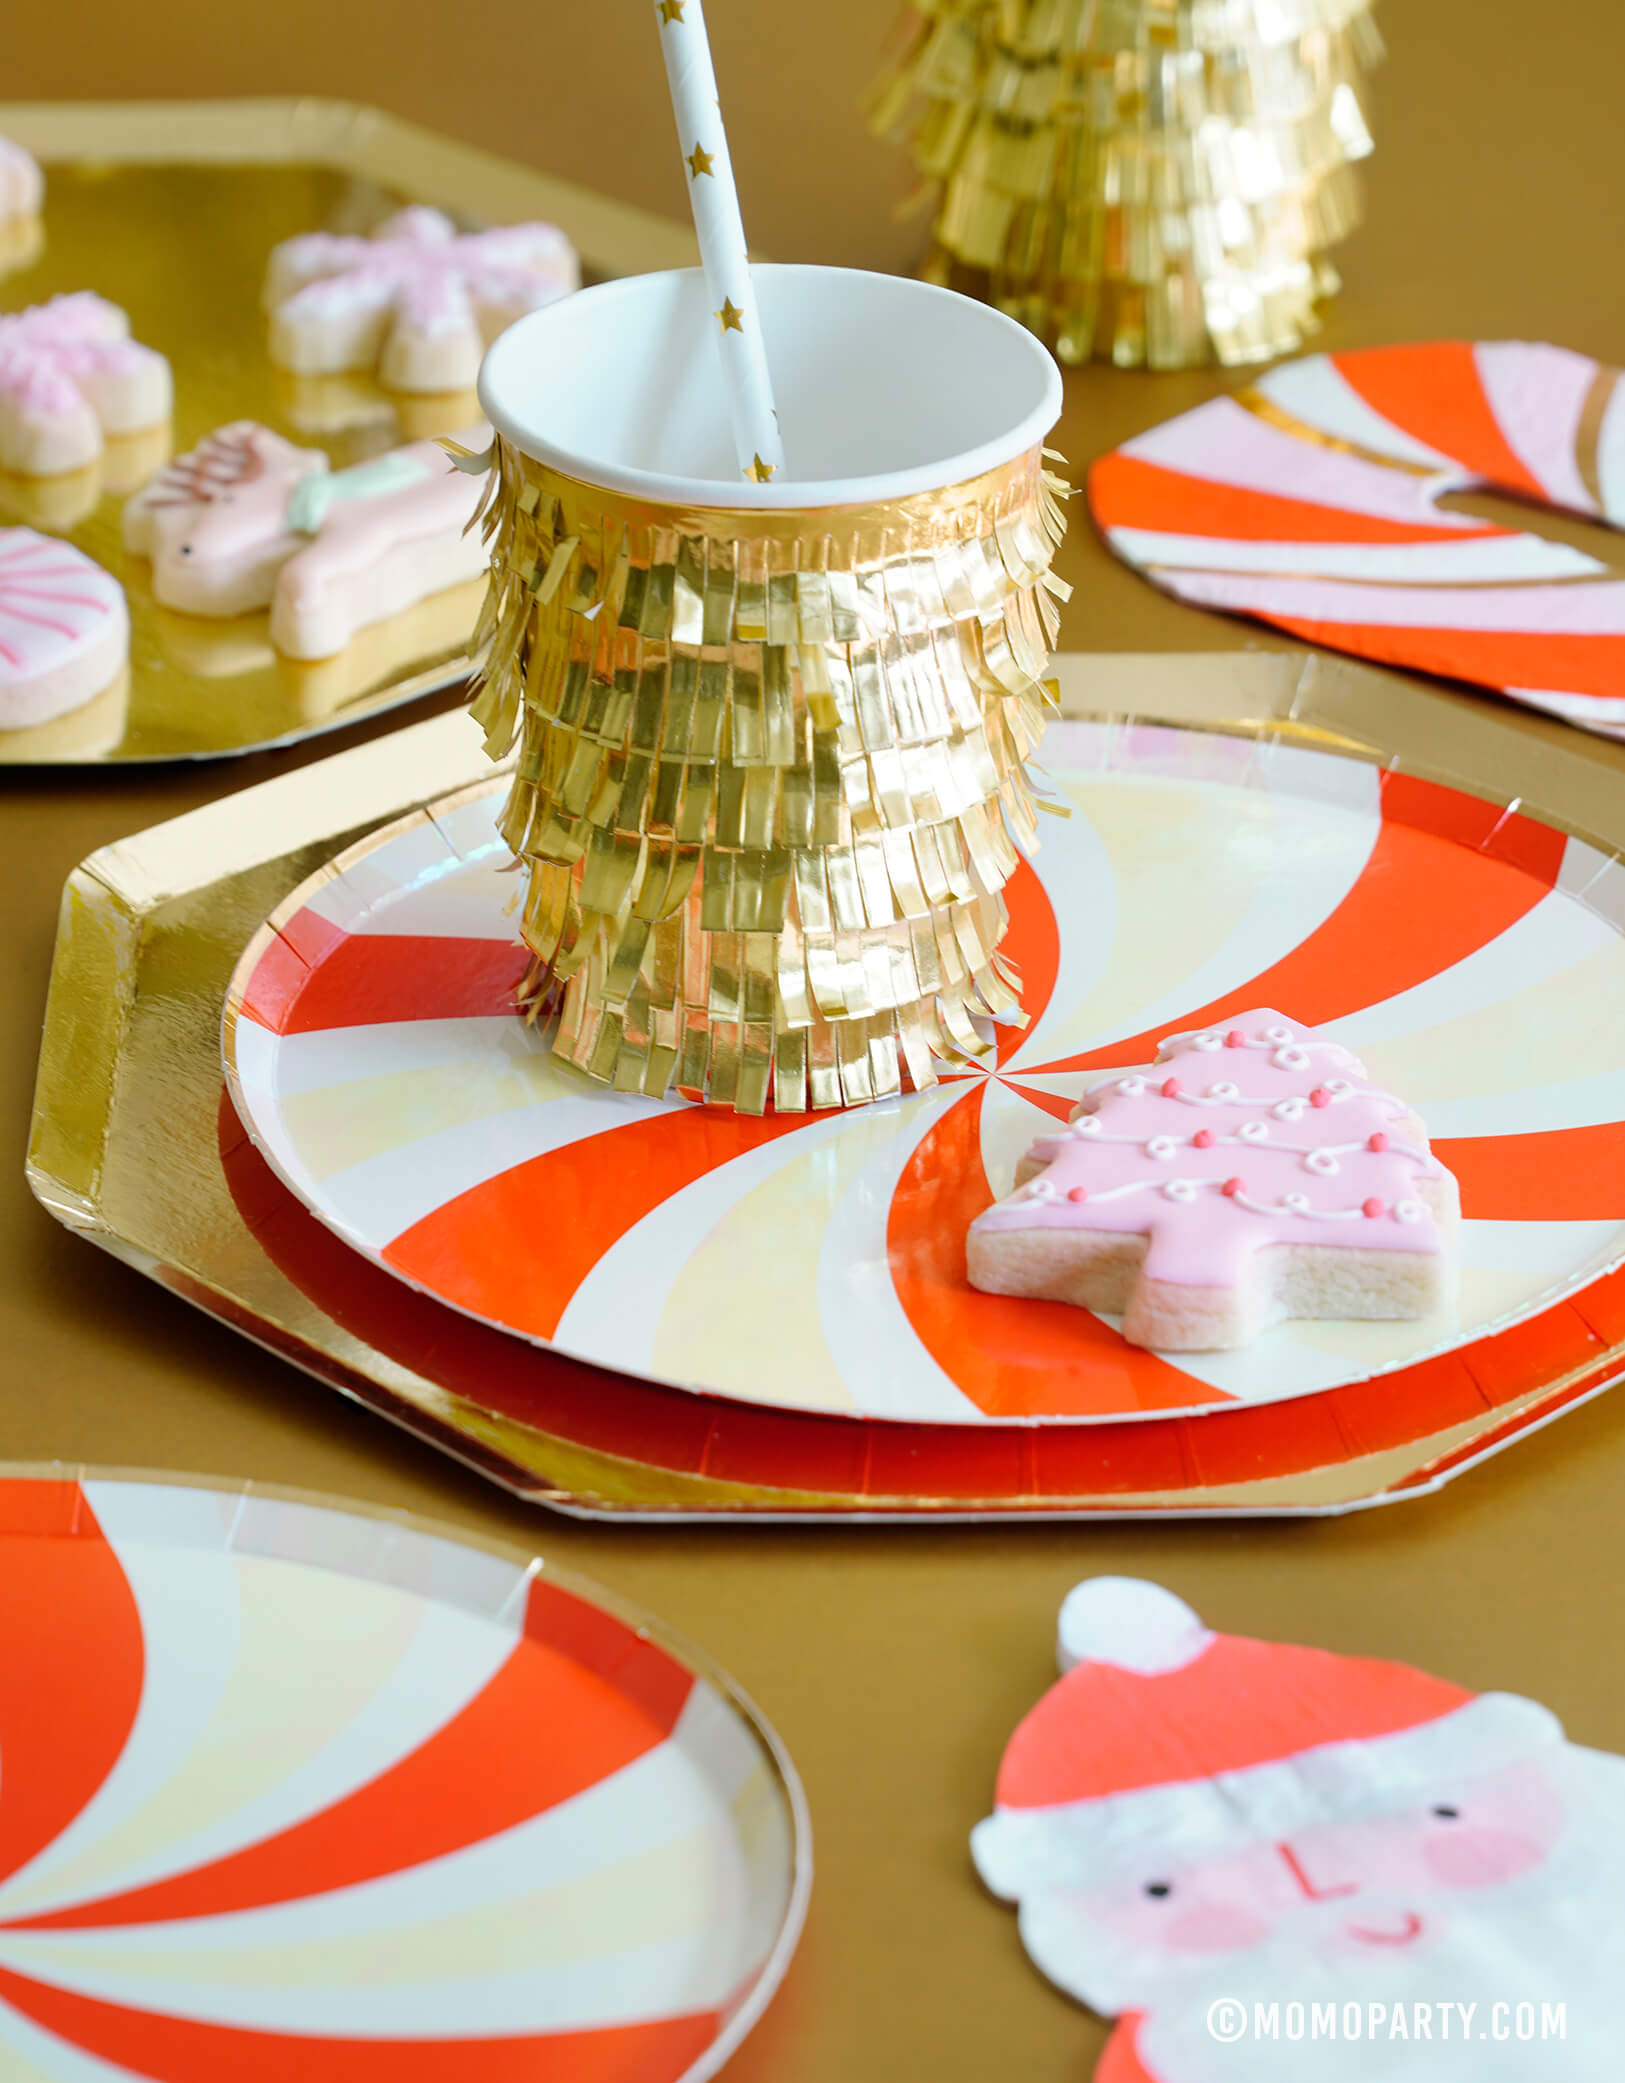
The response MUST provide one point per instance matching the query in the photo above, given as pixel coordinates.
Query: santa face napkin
(1274, 1864)
(1311, 499)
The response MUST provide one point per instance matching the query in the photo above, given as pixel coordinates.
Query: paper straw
(715, 202)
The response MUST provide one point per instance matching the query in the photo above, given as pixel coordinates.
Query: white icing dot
(1288, 1110)
(1180, 1190)
(1224, 1090)
(1408, 1211)
(1278, 1034)
(1253, 1131)
(1210, 1041)
(1322, 1161)
(1297, 1202)
(1131, 1088)
(1337, 1085)
(1161, 1146)
(1085, 1125)
(1290, 1059)
(1041, 1190)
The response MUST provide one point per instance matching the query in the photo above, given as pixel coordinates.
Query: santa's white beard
(1556, 1935)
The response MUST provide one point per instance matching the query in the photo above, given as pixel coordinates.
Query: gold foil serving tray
(170, 210)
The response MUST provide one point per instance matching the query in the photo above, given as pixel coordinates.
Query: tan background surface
(895, 1663)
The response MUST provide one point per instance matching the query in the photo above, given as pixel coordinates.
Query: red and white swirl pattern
(1472, 956)
(1310, 501)
(291, 1793)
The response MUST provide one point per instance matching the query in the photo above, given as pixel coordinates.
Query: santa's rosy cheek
(1213, 1927)
(1478, 1858)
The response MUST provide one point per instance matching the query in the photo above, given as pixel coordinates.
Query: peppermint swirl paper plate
(296, 1792)
(1470, 954)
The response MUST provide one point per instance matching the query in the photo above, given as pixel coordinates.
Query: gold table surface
(894, 1661)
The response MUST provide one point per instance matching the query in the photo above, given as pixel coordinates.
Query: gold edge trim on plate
(352, 793)
(114, 913)
(1503, 755)
(650, 1626)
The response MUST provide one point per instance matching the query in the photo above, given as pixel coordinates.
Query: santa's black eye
(186, 549)
(1447, 1814)
(1159, 1888)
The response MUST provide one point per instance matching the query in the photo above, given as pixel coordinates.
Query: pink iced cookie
(22, 185)
(64, 629)
(70, 375)
(214, 522)
(248, 521)
(1254, 1174)
(417, 302)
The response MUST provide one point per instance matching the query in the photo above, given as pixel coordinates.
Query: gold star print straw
(715, 203)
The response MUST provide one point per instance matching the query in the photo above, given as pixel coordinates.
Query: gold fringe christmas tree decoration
(1152, 181)
(771, 775)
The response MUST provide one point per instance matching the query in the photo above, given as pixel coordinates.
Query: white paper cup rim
(553, 347)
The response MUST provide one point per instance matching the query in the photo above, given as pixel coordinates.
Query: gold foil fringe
(772, 774)
(1153, 181)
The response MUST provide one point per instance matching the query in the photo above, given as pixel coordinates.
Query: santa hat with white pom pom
(1163, 1738)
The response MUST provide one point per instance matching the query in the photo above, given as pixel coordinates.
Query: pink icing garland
(1109, 1168)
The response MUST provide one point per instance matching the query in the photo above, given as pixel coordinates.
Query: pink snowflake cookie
(64, 629)
(1253, 1174)
(70, 375)
(417, 302)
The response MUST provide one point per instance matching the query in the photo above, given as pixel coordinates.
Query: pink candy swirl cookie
(64, 629)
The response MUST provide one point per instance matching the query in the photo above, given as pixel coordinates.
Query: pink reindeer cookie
(418, 303)
(248, 521)
(214, 521)
(64, 629)
(70, 376)
(1253, 1174)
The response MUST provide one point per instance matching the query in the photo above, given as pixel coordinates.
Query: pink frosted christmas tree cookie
(64, 629)
(247, 521)
(1194, 1824)
(70, 376)
(1253, 1174)
(418, 303)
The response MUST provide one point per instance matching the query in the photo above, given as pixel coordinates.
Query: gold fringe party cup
(772, 736)
(1156, 182)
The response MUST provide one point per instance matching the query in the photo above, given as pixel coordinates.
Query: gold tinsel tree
(1153, 181)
